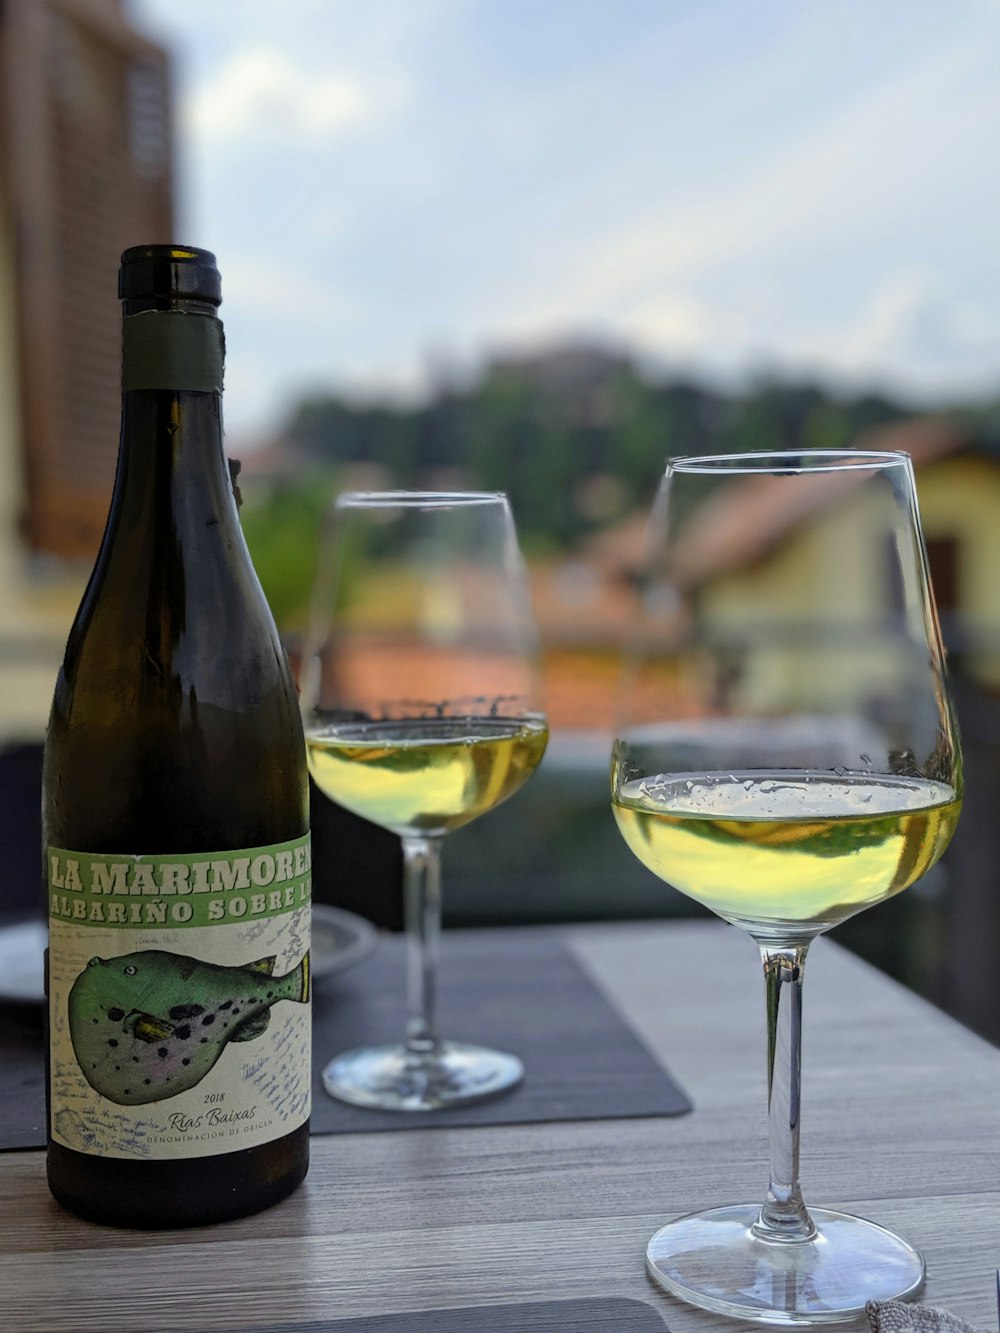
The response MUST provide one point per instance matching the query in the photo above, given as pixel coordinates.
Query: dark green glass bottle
(175, 814)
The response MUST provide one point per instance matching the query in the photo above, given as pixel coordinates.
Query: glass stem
(422, 914)
(783, 1216)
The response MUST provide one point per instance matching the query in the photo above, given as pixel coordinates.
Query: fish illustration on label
(146, 1026)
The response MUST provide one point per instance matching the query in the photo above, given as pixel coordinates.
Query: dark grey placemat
(518, 990)
(594, 1315)
(22, 1079)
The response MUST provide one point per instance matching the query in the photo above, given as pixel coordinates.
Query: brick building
(85, 171)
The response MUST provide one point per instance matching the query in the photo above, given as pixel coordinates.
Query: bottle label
(179, 1000)
(172, 349)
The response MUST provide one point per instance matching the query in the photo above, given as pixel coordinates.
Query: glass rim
(791, 460)
(417, 499)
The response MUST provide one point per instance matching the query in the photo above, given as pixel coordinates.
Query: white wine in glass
(786, 754)
(422, 712)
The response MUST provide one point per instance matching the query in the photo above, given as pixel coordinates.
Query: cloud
(260, 96)
(832, 248)
(718, 192)
(274, 287)
(914, 332)
(846, 182)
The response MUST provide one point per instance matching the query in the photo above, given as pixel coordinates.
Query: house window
(942, 558)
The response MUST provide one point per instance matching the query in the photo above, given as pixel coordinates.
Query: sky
(398, 189)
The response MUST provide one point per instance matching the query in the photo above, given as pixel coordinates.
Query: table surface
(900, 1123)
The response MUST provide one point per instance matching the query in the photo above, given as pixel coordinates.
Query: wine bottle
(175, 811)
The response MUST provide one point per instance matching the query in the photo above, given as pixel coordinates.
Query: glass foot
(714, 1260)
(391, 1078)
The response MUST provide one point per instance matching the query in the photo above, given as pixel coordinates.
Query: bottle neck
(179, 348)
(171, 441)
(173, 546)
(172, 475)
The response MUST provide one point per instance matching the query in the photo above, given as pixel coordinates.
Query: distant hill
(577, 436)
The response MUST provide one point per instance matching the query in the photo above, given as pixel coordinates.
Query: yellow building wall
(821, 578)
(960, 499)
(37, 601)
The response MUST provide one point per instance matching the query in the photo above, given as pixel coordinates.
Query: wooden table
(901, 1123)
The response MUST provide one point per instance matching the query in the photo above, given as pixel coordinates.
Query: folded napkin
(901, 1317)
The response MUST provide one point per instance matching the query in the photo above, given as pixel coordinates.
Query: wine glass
(421, 707)
(786, 755)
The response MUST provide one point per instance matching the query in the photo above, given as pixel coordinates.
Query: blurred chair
(356, 865)
(21, 828)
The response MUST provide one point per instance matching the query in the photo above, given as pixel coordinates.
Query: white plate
(339, 940)
(21, 966)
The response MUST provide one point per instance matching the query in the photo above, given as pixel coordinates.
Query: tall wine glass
(786, 755)
(422, 711)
